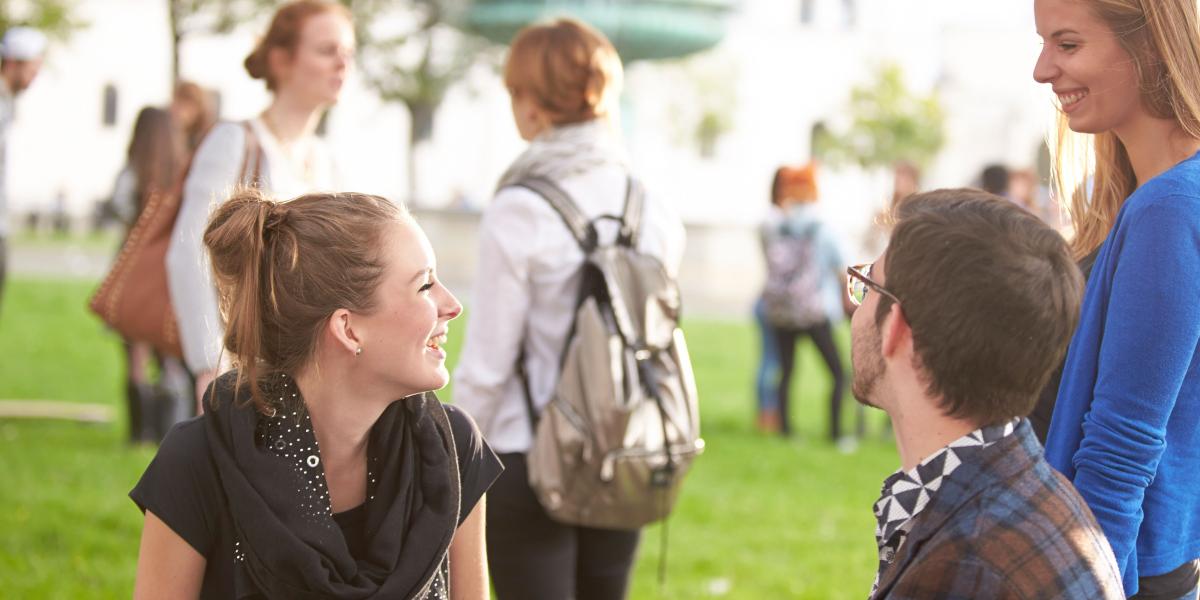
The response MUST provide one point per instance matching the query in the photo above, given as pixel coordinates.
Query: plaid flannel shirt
(1005, 525)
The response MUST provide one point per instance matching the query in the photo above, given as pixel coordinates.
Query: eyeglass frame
(856, 272)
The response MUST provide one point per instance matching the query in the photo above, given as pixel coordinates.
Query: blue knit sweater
(1126, 427)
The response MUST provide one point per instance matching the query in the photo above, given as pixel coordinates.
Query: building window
(808, 11)
(109, 110)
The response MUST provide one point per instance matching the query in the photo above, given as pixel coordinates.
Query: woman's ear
(342, 333)
(279, 63)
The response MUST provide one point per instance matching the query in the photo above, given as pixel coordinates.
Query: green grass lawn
(759, 517)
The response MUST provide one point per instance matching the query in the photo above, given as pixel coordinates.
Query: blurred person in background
(906, 181)
(1126, 423)
(192, 108)
(21, 51)
(994, 180)
(155, 161)
(766, 382)
(322, 467)
(564, 79)
(304, 58)
(803, 295)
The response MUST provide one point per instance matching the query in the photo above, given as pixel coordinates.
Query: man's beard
(867, 362)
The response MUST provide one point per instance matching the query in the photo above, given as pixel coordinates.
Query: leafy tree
(410, 52)
(54, 17)
(191, 17)
(888, 124)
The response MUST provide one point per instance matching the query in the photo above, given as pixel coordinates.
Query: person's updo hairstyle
(284, 33)
(283, 268)
(571, 70)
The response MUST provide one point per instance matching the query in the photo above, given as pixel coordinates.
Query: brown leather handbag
(134, 299)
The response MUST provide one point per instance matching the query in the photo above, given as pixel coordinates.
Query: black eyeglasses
(860, 281)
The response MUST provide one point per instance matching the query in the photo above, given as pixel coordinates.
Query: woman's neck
(342, 417)
(1148, 155)
(291, 122)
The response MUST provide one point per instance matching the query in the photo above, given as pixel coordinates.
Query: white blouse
(213, 175)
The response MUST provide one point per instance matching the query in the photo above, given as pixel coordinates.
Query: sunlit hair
(156, 154)
(569, 68)
(795, 184)
(1092, 174)
(283, 268)
(284, 33)
(206, 113)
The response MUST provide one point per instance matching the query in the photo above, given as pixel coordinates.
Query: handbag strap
(250, 174)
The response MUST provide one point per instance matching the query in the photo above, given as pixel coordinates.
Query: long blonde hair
(1162, 37)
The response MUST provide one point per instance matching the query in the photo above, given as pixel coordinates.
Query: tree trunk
(419, 131)
(176, 40)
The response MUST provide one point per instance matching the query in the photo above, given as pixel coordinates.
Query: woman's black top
(181, 487)
(1044, 409)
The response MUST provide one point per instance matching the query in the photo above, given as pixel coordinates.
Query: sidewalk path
(65, 260)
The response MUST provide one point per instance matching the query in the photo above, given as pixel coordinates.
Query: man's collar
(906, 494)
(1003, 458)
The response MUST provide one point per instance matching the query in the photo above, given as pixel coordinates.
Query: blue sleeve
(1151, 330)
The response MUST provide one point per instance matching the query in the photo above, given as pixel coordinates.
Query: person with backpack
(802, 296)
(554, 317)
(304, 58)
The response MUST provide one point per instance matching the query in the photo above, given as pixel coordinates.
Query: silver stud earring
(358, 351)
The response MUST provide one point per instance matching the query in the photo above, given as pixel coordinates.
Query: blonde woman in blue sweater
(1126, 425)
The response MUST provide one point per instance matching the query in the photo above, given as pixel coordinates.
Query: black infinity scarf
(288, 545)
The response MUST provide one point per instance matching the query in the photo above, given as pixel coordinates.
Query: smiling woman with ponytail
(323, 466)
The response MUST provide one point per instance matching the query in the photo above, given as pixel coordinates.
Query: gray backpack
(622, 428)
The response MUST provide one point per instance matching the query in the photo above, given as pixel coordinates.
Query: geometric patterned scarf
(906, 493)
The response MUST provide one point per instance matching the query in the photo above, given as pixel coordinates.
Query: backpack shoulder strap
(577, 223)
(631, 220)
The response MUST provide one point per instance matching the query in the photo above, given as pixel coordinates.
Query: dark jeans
(1181, 584)
(822, 336)
(767, 378)
(532, 557)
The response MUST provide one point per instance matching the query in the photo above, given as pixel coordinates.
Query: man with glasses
(958, 326)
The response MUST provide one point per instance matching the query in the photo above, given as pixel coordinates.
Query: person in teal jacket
(1126, 425)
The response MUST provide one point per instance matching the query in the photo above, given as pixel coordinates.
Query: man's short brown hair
(991, 295)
